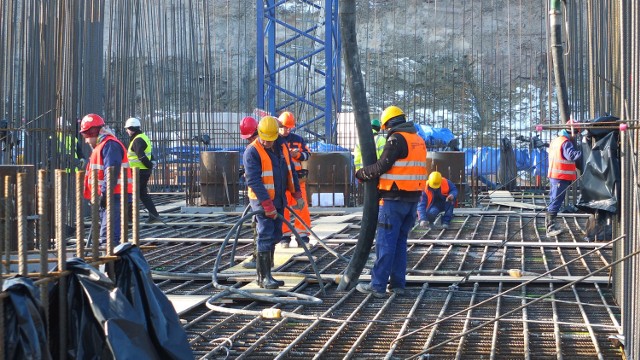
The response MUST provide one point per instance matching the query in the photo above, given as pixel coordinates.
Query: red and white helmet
(91, 124)
(248, 127)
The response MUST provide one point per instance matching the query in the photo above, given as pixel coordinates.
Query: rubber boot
(273, 251)
(553, 229)
(264, 264)
(259, 275)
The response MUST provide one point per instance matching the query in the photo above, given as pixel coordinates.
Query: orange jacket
(410, 173)
(267, 171)
(97, 162)
(444, 189)
(559, 167)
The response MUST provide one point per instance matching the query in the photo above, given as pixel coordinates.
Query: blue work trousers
(115, 218)
(395, 220)
(269, 230)
(437, 208)
(557, 193)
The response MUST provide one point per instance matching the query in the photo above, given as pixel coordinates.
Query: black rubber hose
(235, 243)
(251, 294)
(347, 13)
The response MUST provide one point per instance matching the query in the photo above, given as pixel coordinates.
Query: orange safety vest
(297, 145)
(409, 173)
(97, 162)
(559, 167)
(267, 171)
(444, 189)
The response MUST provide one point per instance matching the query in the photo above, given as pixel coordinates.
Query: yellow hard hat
(388, 114)
(435, 179)
(268, 128)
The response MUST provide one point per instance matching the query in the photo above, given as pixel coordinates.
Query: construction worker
(439, 196)
(377, 138)
(563, 155)
(68, 144)
(402, 173)
(107, 151)
(140, 156)
(299, 153)
(270, 174)
(249, 132)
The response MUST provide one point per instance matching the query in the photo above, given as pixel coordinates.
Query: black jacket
(395, 148)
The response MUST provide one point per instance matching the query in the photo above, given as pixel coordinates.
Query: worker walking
(378, 139)
(439, 196)
(402, 173)
(299, 153)
(270, 174)
(107, 151)
(562, 172)
(140, 156)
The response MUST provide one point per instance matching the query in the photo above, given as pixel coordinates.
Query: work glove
(299, 200)
(450, 198)
(269, 209)
(360, 175)
(295, 154)
(103, 201)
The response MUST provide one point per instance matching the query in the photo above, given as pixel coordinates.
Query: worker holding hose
(402, 174)
(270, 174)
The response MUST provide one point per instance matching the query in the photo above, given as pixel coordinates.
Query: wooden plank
(518, 205)
(324, 231)
(281, 257)
(184, 303)
(336, 219)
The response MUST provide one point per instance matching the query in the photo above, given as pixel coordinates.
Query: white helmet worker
(132, 122)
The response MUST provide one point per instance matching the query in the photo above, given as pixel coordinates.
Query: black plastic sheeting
(507, 169)
(101, 323)
(600, 169)
(133, 278)
(25, 331)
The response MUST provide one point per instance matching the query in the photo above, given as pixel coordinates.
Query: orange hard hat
(248, 127)
(287, 120)
(90, 125)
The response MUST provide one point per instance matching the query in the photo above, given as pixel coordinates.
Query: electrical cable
(572, 283)
(510, 290)
(466, 277)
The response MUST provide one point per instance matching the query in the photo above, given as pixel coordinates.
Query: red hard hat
(248, 127)
(287, 120)
(573, 123)
(91, 124)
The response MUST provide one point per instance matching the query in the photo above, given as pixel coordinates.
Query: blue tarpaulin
(434, 137)
(486, 160)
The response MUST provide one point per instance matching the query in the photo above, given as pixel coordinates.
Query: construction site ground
(492, 286)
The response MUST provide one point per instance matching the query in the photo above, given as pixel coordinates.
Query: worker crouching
(439, 196)
(269, 174)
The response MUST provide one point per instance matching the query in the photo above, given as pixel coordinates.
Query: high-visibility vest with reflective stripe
(379, 140)
(559, 167)
(444, 189)
(133, 157)
(97, 162)
(295, 144)
(409, 173)
(69, 143)
(267, 171)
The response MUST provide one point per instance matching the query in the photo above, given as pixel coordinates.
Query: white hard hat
(132, 122)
